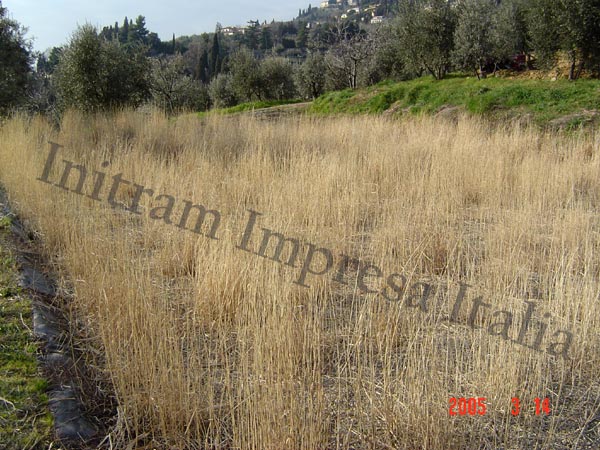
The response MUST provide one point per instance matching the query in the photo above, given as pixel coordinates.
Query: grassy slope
(543, 100)
(25, 422)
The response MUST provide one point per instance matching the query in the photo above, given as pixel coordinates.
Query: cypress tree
(203, 68)
(124, 33)
(215, 54)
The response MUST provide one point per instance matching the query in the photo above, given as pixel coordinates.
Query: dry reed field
(207, 345)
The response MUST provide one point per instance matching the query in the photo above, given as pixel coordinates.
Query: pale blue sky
(51, 22)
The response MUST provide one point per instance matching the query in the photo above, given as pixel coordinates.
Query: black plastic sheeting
(51, 328)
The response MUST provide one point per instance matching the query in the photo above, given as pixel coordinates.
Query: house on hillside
(231, 31)
(378, 19)
(352, 12)
(331, 3)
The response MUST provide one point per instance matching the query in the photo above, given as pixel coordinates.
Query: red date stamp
(471, 406)
(542, 406)
(474, 406)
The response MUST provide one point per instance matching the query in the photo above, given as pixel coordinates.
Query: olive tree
(425, 30)
(95, 74)
(310, 76)
(245, 75)
(473, 39)
(570, 26)
(347, 59)
(173, 89)
(221, 91)
(277, 79)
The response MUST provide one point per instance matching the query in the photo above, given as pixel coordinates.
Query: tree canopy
(15, 63)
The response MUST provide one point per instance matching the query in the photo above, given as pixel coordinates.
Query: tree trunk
(580, 67)
(573, 56)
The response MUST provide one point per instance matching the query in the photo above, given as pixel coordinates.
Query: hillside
(548, 104)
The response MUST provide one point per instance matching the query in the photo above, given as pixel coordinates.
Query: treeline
(125, 64)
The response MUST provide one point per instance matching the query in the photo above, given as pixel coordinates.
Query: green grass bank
(544, 101)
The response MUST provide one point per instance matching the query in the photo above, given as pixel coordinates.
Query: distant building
(231, 31)
(351, 12)
(330, 3)
(377, 19)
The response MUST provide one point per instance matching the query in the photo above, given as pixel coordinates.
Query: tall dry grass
(208, 346)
